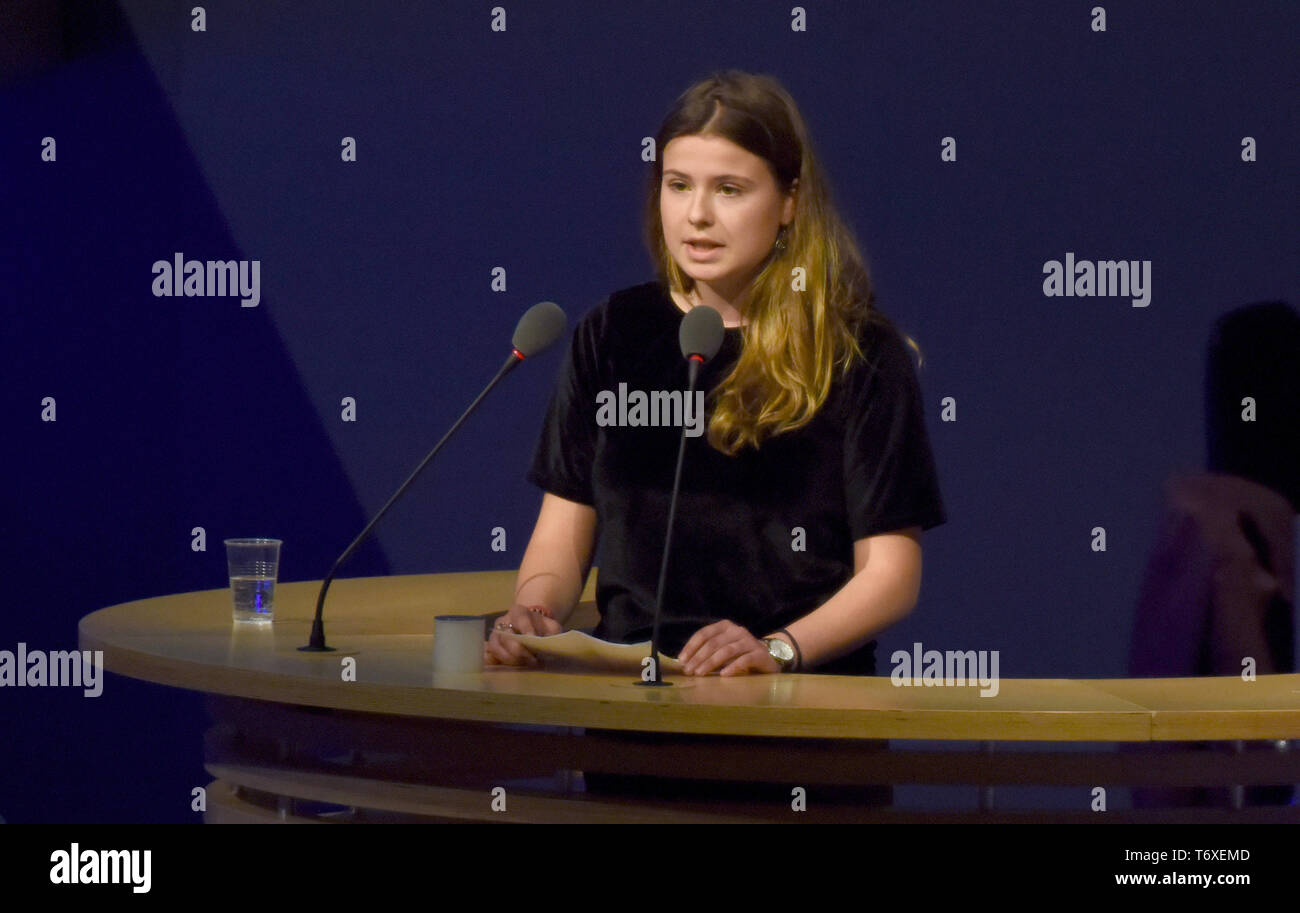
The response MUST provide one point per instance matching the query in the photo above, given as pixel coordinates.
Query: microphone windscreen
(540, 326)
(701, 332)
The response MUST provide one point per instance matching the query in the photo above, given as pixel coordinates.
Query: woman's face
(716, 191)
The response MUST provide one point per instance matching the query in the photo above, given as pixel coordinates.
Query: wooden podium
(374, 733)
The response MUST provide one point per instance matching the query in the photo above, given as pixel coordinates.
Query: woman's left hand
(727, 646)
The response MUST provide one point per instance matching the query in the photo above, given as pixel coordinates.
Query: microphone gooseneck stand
(699, 336)
(656, 677)
(317, 642)
(540, 326)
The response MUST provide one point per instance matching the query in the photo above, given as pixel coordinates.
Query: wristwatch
(780, 651)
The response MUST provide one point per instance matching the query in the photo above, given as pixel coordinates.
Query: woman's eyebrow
(721, 177)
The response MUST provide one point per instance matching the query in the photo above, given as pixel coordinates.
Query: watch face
(780, 650)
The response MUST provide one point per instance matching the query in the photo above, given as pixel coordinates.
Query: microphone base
(316, 640)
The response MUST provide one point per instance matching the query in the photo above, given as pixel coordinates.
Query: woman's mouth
(702, 250)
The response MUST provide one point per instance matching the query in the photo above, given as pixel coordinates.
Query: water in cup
(254, 598)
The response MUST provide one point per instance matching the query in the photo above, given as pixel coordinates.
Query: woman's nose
(699, 209)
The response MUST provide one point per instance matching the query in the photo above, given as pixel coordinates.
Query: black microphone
(537, 329)
(700, 337)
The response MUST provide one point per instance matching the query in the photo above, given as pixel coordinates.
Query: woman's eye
(731, 189)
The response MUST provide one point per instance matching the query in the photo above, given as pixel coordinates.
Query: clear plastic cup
(254, 566)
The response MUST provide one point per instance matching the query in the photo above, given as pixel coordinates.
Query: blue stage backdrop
(410, 177)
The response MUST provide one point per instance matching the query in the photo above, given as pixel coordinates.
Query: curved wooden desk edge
(188, 641)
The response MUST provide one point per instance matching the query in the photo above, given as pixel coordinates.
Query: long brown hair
(794, 341)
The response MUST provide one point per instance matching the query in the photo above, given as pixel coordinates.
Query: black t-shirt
(761, 538)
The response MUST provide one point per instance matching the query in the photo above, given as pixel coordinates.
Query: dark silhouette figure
(1220, 583)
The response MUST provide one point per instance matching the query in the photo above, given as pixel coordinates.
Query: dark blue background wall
(521, 149)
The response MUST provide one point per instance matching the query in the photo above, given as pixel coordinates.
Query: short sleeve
(562, 460)
(890, 480)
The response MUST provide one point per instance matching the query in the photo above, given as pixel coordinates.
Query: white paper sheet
(577, 647)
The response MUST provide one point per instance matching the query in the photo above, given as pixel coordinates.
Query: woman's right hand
(507, 651)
